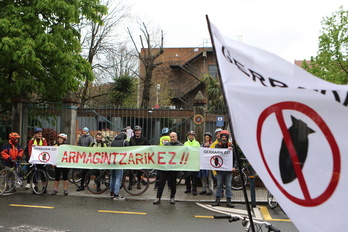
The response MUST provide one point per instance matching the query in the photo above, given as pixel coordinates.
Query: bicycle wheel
(97, 181)
(135, 182)
(50, 172)
(76, 176)
(179, 177)
(3, 184)
(272, 202)
(39, 179)
(11, 177)
(152, 174)
(237, 179)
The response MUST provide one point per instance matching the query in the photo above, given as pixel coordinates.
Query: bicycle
(15, 176)
(272, 202)
(3, 184)
(237, 175)
(136, 177)
(50, 172)
(258, 225)
(98, 181)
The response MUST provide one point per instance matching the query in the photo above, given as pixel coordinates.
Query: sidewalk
(150, 194)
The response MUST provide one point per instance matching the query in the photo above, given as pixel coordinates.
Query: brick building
(180, 76)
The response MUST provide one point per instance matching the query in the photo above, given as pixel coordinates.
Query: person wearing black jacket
(168, 175)
(137, 140)
(116, 174)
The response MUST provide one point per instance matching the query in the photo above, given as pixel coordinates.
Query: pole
(235, 149)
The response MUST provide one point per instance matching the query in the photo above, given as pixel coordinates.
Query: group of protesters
(134, 137)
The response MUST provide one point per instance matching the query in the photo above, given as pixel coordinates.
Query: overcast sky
(289, 29)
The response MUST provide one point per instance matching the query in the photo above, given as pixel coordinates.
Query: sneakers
(157, 201)
(138, 185)
(112, 195)
(194, 192)
(129, 187)
(65, 192)
(27, 186)
(54, 192)
(209, 193)
(172, 200)
(187, 191)
(80, 188)
(118, 197)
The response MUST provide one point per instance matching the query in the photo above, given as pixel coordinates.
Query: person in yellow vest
(36, 140)
(217, 136)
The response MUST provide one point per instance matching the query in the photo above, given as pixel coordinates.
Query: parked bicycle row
(134, 182)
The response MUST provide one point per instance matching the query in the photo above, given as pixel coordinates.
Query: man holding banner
(168, 175)
(224, 175)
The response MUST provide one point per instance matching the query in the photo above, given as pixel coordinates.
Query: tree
(40, 47)
(123, 90)
(331, 62)
(99, 44)
(214, 92)
(147, 57)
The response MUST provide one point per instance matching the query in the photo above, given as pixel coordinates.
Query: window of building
(212, 69)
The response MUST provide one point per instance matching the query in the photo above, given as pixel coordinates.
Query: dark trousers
(171, 177)
(191, 181)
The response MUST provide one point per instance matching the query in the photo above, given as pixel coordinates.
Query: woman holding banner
(61, 171)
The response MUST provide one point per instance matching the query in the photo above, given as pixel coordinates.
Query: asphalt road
(26, 212)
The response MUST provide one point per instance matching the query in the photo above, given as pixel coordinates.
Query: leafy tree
(99, 46)
(40, 47)
(331, 62)
(214, 92)
(123, 90)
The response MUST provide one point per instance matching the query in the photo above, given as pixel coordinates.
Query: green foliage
(331, 62)
(214, 92)
(40, 48)
(123, 92)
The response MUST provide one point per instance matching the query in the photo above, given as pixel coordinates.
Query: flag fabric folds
(292, 127)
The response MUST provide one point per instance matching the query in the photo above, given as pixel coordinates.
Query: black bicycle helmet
(137, 128)
(38, 129)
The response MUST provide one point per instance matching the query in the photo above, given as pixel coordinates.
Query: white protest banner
(292, 127)
(215, 159)
(44, 155)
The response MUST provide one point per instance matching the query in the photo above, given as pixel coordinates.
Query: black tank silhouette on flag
(299, 132)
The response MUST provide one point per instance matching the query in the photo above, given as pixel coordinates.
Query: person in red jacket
(36, 140)
(11, 150)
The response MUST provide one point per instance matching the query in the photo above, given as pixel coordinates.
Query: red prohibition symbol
(278, 109)
(44, 157)
(216, 161)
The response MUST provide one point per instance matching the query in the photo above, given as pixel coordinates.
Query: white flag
(292, 127)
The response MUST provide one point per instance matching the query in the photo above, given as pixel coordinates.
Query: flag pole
(235, 150)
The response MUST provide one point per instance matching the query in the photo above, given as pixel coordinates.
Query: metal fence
(109, 121)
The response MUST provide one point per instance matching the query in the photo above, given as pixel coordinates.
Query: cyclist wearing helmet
(165, 138)
(206, 176)
(217, 135)
(36, 140)
(137, 140)
(61, 140)
(191, 177)
(85, 140)
(224, 177)
(11, 150)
